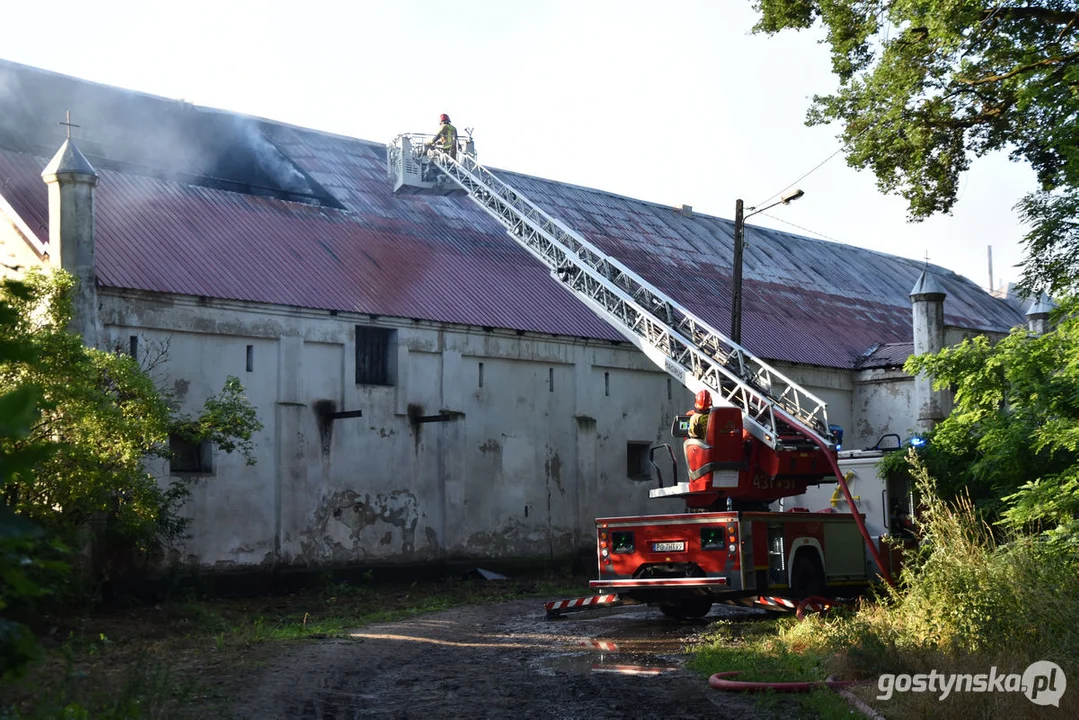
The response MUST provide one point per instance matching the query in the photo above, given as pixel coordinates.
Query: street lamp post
(739, 247)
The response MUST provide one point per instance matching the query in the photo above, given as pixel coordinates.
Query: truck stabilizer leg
(556, 608)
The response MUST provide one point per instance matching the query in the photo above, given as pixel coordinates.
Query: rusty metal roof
(314, 224)
(888, 355)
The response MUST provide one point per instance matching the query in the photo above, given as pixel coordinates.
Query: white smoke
(273, 162)
(8, 82)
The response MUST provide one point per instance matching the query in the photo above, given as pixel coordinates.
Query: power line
(815, 168)
(805, 229)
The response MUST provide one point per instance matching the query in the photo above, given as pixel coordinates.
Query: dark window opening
(481, 374)
(250, 358)
(550, 379)
(189, 457)
(607, 384)
(637, 460)
(373, 348)
(133, 345)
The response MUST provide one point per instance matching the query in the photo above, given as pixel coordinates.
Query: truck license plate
(676, 546)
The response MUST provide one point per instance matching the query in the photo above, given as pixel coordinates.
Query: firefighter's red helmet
(703, 400)
(443, 118)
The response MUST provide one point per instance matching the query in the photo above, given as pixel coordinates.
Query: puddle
(645, 650)
(615, 663)
(623, 669)
(643, 645)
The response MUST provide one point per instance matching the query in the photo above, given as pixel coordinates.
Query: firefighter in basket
(698, 421)
(446, 138)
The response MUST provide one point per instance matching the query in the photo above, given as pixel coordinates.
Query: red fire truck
(729, 545)
(767, 438)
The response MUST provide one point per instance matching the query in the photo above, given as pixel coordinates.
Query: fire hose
(719, 682)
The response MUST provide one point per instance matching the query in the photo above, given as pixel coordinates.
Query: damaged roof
(202, 202)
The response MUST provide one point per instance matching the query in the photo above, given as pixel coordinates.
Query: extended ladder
(694, 353)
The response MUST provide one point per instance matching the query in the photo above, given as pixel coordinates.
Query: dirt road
(504, 660)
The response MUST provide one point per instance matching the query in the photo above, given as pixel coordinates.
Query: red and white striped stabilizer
(558, 607)
(800, 607)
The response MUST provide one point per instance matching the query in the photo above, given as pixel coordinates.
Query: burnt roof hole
(255, 158)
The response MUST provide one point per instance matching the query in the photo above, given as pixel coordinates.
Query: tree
(926, 85)
(106, 417)
(1012, 440)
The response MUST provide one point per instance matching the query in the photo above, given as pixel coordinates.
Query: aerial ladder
(782, 416)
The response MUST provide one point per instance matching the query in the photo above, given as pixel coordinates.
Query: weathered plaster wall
(540, 451)
(883, 401)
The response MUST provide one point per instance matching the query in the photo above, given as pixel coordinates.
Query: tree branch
(1067, 27)
(1044, 62)
(971, 121)
(1051, 17)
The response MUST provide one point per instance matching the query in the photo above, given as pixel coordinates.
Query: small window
(607, 384)
(481, 374)
(250, 358)
(373, 362)
(133, 346)
(190, 458)
(637, 465)
(550, 379)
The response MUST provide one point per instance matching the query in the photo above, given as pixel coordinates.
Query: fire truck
(767, 439)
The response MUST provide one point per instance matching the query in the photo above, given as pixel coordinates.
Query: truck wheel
(807, 579)
(693, 608)
(697, 607)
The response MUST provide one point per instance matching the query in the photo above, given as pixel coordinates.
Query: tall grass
(968, 600)
(967, 590)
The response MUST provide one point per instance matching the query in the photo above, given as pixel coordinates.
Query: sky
(672, 102)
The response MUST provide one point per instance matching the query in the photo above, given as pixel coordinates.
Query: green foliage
(1012, 438)
(228, 420)
(926, 85)
(20, 540)
(106, 418)
(147, 690)
(964, 591)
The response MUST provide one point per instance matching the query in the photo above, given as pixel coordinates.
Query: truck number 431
(763, 482)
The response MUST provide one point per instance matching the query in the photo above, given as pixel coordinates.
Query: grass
(160, 661)
(757, 651)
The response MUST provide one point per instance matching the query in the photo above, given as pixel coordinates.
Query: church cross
(69, 124)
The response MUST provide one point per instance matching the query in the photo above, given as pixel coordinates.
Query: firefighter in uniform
(446, 139)
(698, 421)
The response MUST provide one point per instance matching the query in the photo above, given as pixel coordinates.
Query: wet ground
(499, 661)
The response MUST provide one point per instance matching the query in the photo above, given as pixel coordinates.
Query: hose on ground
(719, 681)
